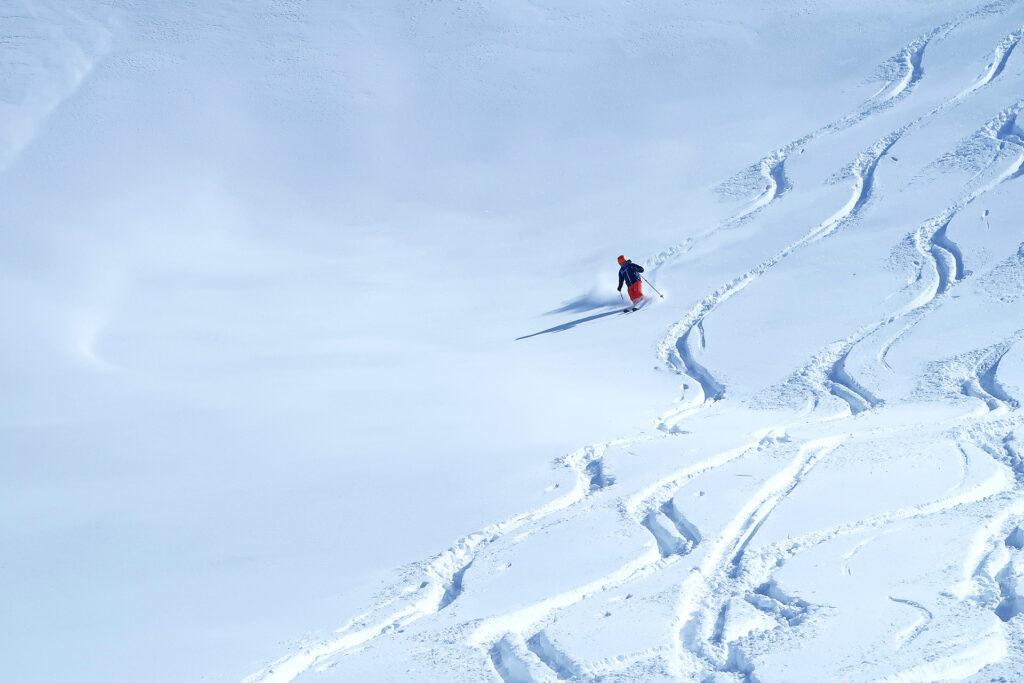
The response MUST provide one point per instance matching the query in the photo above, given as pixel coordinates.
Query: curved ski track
(931, 240)
(700, 601)
(675, 349)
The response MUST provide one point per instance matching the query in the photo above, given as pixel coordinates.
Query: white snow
(309, 378)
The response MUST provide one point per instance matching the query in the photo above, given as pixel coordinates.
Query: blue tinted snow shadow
(588, 302)
(571, 324)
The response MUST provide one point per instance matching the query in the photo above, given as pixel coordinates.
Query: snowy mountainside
(836, 495)
(296, 293)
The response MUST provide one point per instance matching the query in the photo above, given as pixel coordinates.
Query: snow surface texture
(278, 330)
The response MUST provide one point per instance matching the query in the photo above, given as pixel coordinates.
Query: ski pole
(652, 286)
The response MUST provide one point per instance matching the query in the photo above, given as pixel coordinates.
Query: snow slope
(299, 292)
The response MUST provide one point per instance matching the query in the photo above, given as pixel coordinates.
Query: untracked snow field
(314, 369)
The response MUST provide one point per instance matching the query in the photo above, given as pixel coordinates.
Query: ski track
(853, 553)
(1000, 490)
(905, 637)
(999, 58)
(996, 485)
(675, 348)
(435, 584)
(644, 507)
(934, 246)
(701, 595)
(652, 508)
(900, 73)
(980, 382)
(771, 169)
(724, 659)
(843, 386)
(511, 662)
(931, 239)
(517, 644)
(560, 663)
(760, 566)
(1003, 129)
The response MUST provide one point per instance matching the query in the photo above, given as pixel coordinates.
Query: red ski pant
(636, 291)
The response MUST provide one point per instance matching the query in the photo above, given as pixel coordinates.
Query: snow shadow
(590, 301)
(573, 323)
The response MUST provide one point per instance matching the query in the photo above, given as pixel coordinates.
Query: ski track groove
(761, 565)
(440, 579)
(848, 389)
(643, 507)
(932, 240)
(771, 169)
(907, 636)
(999, 58)
(561, 664)
(701, 595)
(509, 659)
(982, 383)
(675, 350)
(998, 489)
(986, 490)
(907, 68)
(640, 508)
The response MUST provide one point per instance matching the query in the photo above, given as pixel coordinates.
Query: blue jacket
(629, 273)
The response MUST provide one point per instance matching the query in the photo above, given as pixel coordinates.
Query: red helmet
(622, 259)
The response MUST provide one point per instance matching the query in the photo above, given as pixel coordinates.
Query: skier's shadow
(569, 325)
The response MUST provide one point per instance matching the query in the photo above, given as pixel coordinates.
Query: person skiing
(629, 273)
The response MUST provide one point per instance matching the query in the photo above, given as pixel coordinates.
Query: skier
(629, 273)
